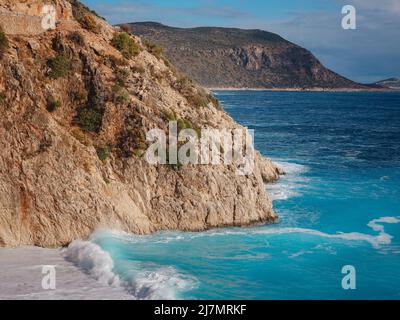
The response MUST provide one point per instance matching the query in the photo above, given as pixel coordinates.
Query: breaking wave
(162, 283)
(289, 185)
(140, 282)
(93, 260)
(146, 280)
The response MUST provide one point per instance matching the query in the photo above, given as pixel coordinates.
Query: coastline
(21, 277)
(95, 148)
(303, 90)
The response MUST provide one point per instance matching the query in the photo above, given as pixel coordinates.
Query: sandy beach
(21, 277)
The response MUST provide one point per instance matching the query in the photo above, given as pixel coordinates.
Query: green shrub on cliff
(181, 123)
(123, 96)
(114, 62)
(89, 23)
(89, 119)
(197, 99)
(122, 76)
(170, 116)
(53, 105)
(125, 43)
(77, 37)
(60, 66)
(126, 28)
(3, 42)
(154, 49)
(103, 152)
(84, 16)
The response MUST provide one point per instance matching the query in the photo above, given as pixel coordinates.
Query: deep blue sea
(339, 205)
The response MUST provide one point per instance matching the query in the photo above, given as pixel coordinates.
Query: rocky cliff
(77, 98)
(237, 58)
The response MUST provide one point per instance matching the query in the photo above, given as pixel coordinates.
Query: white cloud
(388, 6)
(370, 53)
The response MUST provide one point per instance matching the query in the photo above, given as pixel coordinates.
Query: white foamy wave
(148, 281)
(376, 241)
(292, 168)
(162, 283)
(141, 283)
(93, 260)
(282, 192)
(289, 185)
(376, 226)
(383, 238)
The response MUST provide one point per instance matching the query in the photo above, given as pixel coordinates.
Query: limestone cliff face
(74, 113)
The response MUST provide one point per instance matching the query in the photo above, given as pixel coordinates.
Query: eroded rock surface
(55, 127)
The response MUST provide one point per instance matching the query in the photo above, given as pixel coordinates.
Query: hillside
(391, 83)
(236, 58)
(77, 99)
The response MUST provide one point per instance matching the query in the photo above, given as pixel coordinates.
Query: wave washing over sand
(167, 283)
(86, 271)
(140, 283)
(93, 260)
(21, 277)
(83, 271)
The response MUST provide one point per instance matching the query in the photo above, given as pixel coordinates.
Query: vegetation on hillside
(53, 105)
(125, 43)
(89, 119)
(60, 66)
(103, 152)
(154, 49)
(85, 16)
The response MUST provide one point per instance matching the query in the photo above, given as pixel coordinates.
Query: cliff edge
(77, 97)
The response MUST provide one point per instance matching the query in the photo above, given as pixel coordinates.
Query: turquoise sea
(339, 205)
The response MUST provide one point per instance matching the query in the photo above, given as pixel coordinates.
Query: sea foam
(140, 282)
(93, 260)
(161, 283)
(291, 184)
(377, 241)
(150, 281)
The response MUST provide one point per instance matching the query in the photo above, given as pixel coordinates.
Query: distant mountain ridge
(237, 58)
(391, 83)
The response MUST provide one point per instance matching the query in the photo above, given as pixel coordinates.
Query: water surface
(339, 204)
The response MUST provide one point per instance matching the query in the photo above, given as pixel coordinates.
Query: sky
(369, 53)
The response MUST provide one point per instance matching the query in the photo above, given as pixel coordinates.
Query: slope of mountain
(76, 102)
(236, 58)
(391, 83)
